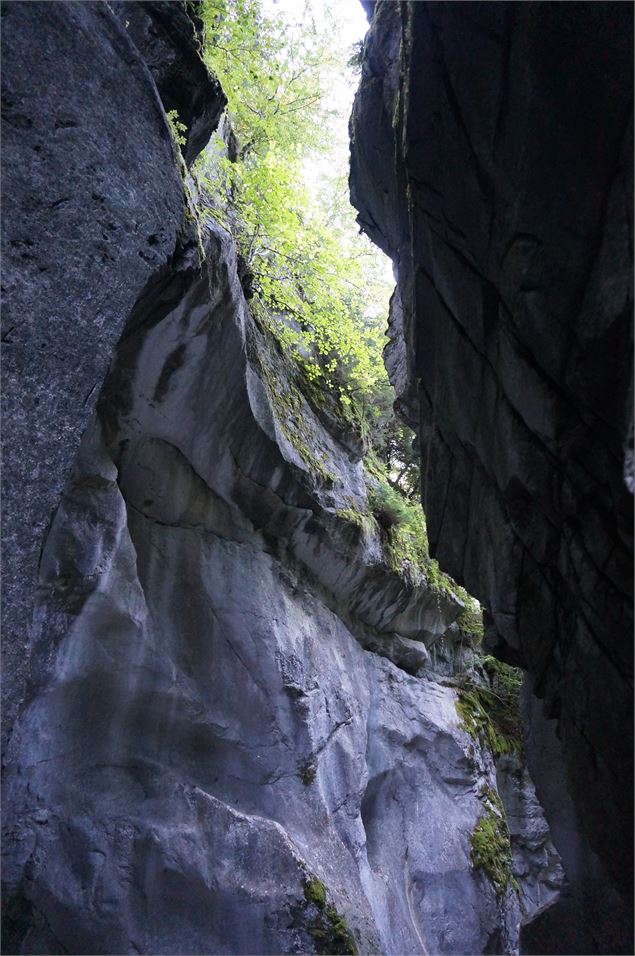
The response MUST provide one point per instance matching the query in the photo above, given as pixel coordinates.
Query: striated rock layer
(492, 160)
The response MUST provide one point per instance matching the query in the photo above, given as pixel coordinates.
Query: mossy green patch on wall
(471, 620)
(402, 523)
(328, 928)
(491, 714)
(290, 410)
(315, 892)
(352, 516)
(491, 847)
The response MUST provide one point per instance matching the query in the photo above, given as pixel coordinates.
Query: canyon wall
(218, 762)
(234, 726)
(86, 223)
(492, 160)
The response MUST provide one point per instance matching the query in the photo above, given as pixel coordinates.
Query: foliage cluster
(394, 443)
(471, 620)
(390, 509)
(177, 128)
(403, 525)
(401, 522)
(314, 279)
(317, 285)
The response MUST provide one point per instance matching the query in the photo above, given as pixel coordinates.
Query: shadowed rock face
(168, 38)
(92, 207)
(492, 159)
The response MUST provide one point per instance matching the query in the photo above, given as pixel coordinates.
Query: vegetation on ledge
(317, 286)
(316, 283)
(405, 538)
(491, 713)
(490, 844)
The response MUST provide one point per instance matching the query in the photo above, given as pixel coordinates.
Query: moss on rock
(315, 892)
(491, 848)
(491, 714)
(328, 928)
(290, 409)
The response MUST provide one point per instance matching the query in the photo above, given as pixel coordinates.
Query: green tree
(315, 284)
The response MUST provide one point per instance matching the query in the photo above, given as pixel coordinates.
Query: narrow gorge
(236, 719)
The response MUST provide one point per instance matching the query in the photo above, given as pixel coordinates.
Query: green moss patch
(291, 415)
(471, 620)
(328, 928)
(401, 523)
(404, 534)
(491, 847)
(491, 714)
(352, 516)
(315, 892)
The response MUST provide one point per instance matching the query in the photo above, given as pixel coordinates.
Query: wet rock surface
(492, 159)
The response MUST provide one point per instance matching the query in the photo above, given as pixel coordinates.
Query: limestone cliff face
(492, 159)
(240, 731)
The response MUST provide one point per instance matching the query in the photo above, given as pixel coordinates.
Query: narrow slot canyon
(317, 520)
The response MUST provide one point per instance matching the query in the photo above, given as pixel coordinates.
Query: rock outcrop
(169, 40)
(240, 735)
(492, 160)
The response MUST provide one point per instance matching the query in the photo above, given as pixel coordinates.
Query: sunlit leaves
(320, 292)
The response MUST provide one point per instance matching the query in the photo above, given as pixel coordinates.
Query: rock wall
(235, 738)
(492, 159)
(216, 764)
(93, 206)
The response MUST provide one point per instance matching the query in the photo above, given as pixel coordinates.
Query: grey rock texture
(92, 207)
(168, 36)
(214, 737)
(240, 733)
(536, 863)
(492, 159)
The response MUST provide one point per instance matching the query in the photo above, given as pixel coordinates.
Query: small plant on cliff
(388, 506)
(471, 620)
(314, 282)
(177, 128)
(401, 521)
(328, 928)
